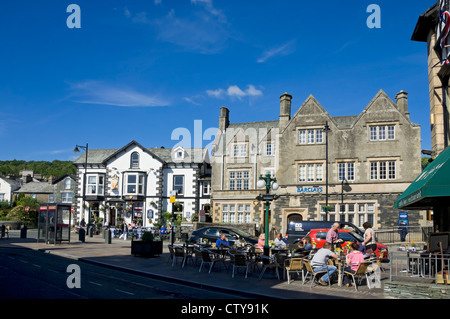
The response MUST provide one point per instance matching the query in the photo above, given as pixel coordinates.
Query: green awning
(432, 183)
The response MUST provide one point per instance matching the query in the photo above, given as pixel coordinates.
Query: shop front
(431, 191)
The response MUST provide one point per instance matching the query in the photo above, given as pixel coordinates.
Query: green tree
(426, 161)
(18, 212)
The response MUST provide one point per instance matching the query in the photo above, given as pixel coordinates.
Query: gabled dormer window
(178, 153)
(134, 162)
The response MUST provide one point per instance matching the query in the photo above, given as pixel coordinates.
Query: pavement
(117, 255)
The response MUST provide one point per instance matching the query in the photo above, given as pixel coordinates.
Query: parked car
(319, 236)
(211, 234)
(298, 229)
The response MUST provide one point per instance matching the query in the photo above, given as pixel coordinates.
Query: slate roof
(101, 156)
(14, 184)
(36, 188)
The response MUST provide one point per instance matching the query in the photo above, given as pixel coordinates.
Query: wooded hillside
(46, 169)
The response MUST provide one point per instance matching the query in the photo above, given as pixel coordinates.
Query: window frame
(97, 185)
(176, 186)
(304, 171)
(239, 180)
(240, 150)
(134, 160)
(139, 183)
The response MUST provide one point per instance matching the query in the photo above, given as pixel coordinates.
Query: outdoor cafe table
(219, 251)
(339, 263)
(278, 250)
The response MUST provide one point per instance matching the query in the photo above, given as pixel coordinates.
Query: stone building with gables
(372, 158)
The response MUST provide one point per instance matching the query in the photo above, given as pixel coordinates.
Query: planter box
(146, 248)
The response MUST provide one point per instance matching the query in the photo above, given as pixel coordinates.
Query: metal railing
(414, 234)
(422, 266)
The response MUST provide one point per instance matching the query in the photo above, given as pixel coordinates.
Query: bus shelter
(54, 222)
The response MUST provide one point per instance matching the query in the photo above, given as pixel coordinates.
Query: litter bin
(23, 232)
(107, 235)
(81, 234)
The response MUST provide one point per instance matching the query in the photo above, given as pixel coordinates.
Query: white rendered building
(135, 183)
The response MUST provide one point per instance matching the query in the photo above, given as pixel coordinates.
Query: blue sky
(138, 70)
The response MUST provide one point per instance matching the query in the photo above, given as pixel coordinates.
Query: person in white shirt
(279, 241)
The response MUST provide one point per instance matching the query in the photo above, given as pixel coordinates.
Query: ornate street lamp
(77, 150)
(267, 182)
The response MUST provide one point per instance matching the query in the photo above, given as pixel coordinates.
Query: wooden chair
(360, 272)
(206, 259)
(294, 265)
(239, 260)
(310, 270)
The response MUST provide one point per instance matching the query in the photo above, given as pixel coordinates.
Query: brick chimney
(402, 102)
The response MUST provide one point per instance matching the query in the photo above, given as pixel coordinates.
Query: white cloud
(215, 93)
(283, 50)
(252, 91)
(203, 29)
(93, 92)
(235, 91)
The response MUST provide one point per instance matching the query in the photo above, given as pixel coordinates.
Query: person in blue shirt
(222, 241)
(163, 229)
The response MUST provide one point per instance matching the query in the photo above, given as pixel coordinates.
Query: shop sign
(310, 189)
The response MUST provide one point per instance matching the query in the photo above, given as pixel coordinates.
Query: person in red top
(332, 235)
(352, 260)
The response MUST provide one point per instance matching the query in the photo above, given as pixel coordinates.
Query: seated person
(319, 263)
(240, 242)
(261, 241)
(279, 241)
(352, 261)
(304, 245)
(222, 241)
